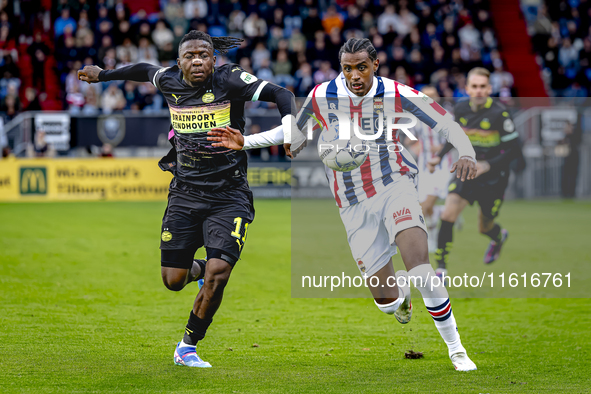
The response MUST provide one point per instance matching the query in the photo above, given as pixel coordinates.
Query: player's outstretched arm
(232, 139)
(141, 72)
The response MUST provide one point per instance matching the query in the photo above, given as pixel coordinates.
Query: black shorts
(489, 193)
(193, 219)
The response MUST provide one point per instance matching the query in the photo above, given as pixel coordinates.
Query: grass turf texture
(83, 309)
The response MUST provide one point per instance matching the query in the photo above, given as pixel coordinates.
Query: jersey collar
(487, 105)
(356, 98)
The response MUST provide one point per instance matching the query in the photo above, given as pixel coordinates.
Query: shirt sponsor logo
(201, 118)
(402, 215)
(483, 138)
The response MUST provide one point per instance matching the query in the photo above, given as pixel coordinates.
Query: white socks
(437, 303)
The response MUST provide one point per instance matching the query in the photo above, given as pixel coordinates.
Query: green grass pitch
(83, 309)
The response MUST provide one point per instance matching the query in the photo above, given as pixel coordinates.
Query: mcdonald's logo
(33, 180)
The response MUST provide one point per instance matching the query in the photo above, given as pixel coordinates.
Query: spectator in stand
(470, 37)
(32, 100)
(254, 26)
(332, 19)
(91, 106)
(152, 98)
(75, 100)
(147, 52)
(162, 35)
(9, 84)
(406, 21)
(40, 147)
(325, 73)
(130, 93)
(106, 45)
(38, 52)
(311, 22)
(282, 69)
(11, 104)
(175, 15)
(179, 32)
(259, 55)
(122, 32)
(112, 99)
(304, 82)
(127, 51)
(500, 78)
(264, 71)
(568, 55)
(195, 9)
(64, 20)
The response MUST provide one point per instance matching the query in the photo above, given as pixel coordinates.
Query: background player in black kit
(209, 203)
(492, 134)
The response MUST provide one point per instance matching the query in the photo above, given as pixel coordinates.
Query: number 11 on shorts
(240, 239)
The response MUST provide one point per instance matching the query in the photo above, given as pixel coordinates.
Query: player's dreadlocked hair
(219, 44)
(354, 45)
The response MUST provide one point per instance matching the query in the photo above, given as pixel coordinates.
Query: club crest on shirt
(208, 97)
(378, 104)
(485, 124)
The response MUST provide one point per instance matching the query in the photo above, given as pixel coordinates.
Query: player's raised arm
(432, 114)
(140, 72)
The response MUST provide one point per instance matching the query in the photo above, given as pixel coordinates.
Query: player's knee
(388, 306)
(174, 278)
(173, 284)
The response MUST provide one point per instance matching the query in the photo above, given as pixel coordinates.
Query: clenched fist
(90, 74)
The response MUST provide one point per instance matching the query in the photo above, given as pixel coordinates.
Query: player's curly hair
(354, 45)
(219, 44)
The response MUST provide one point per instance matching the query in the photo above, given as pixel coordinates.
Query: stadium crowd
(561, 36)
(294, 44)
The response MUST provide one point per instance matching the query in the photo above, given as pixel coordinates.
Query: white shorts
(372, 224)
(434, 184)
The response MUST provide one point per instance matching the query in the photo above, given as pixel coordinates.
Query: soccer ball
(341, 155)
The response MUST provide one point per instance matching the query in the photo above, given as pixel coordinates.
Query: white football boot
(404, 312)
(462, 362)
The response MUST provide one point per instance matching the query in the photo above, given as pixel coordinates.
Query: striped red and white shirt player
(382, 164)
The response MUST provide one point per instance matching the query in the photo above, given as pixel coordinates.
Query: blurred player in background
(209, 203)
(492, 133)
(432, 185)
(378, 202)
